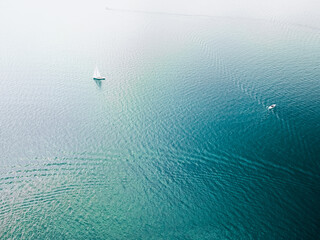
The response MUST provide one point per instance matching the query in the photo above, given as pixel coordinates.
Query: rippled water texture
(177, 143)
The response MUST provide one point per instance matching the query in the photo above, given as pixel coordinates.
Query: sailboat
(97, 75)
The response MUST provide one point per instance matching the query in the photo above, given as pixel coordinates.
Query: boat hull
(272, 106)
(99, 78)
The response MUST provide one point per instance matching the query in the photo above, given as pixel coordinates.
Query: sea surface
(176, 143)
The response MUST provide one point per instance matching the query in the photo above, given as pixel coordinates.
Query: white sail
(96, 73)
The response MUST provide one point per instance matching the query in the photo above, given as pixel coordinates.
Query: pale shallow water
(177, 143)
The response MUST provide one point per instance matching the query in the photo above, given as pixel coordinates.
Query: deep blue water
(177, 143)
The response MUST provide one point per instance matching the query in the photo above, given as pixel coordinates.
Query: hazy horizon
(296, 11)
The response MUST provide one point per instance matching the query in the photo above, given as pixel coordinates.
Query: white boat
(272, 106)
(97, 75)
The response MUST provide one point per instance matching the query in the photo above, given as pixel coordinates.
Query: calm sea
(176, 143)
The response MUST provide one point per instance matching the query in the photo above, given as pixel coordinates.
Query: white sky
(298, 11)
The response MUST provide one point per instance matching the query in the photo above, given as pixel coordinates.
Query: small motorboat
(97, 75)
(272, 106)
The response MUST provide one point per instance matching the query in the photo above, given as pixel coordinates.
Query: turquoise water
(177, 143)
